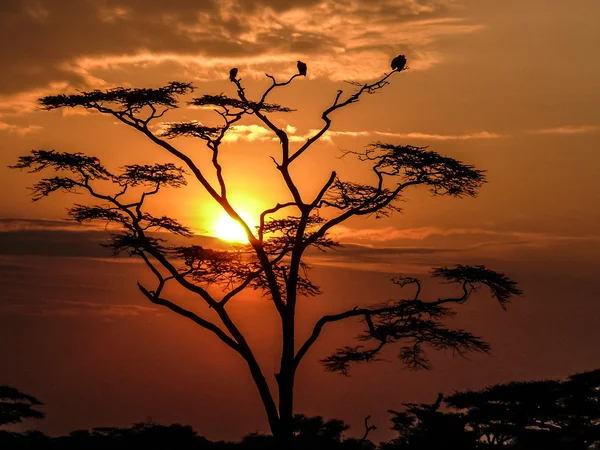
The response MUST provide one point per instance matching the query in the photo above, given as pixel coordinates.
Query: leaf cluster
(84, 169)
(227, 103)
(191, 129)
(501, 286)
(127, 99)
(418, 165)
(16, 406)
(167, 174)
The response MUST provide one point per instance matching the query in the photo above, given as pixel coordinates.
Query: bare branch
(368, 429)
(274, 85)
(366, 88)
(192, 316)
(270, 211)
(283, 138)
(405, 281)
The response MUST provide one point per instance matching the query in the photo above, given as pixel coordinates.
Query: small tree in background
(274, 259)
(532, 415)
(520, 415)
(16, 406)
(425, 427)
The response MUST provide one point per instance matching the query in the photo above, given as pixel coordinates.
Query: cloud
(26, 102)
(42, 237)
(569, 130)
(248, 133)
(68, 308)
(37, 11)
(409, 259)
(386, 234)
(443, 137)
(114, 14)
(18, 129)
(95, 43)
(19, 224)
(261, 133)
(382, 250)
(413, 135)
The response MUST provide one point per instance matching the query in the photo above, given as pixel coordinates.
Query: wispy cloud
(443, 137)
(409, 259)
(69, 239)
(37, 11)
(19, 224)
(114, 14)
(26, 101)
(387, 234)
(248, 133)
(19, 129)
(569, 130)
(261, 133)
(68, 308)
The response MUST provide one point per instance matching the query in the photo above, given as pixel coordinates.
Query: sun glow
(230, 230)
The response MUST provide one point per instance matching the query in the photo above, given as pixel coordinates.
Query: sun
(227, 229)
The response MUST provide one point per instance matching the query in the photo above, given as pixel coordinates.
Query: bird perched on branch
(399, 62)
(301, 68)
(233, 73)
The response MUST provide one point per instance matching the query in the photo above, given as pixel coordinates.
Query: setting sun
(229, 230)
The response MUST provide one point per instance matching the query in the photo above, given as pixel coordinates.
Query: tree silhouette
(547, 414)
(16, 406)
(273, 261)
(312, 433)
(424, 427)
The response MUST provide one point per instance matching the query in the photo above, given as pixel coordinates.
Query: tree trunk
(284, 435)
(265, 394)
(285, 382)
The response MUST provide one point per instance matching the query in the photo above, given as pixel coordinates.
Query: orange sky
(511, 87)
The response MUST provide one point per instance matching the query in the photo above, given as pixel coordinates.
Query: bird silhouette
(301, 68)
(399, 62)
(233, 73)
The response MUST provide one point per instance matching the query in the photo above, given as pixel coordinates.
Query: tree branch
(419, 320)
(366, 88)
(274, 85)
(192, 316)
(368, 429)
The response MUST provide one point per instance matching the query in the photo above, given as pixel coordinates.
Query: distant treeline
(536, 415)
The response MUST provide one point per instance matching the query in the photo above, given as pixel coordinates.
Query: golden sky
(509, 86)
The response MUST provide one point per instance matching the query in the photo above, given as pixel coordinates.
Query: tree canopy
(15, 406)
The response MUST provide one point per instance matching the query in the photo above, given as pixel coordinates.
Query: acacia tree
(545, 414)
(274, 259)
(16, 406)
(424, 427)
